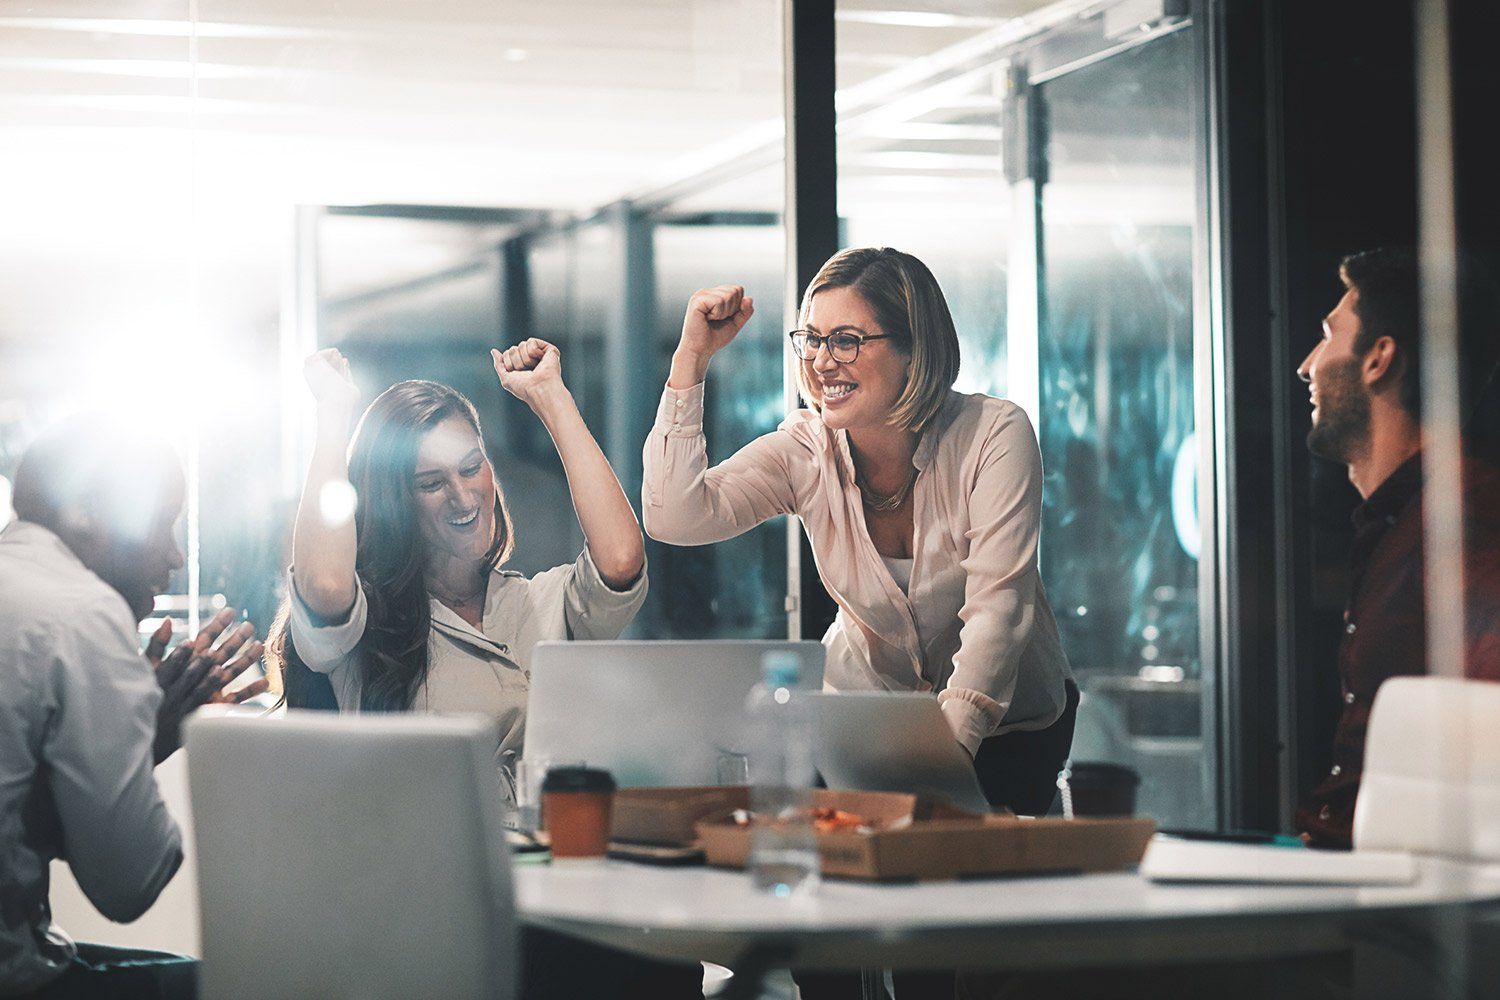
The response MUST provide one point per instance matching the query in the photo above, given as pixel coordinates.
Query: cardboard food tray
(669, 816)
(941, 842)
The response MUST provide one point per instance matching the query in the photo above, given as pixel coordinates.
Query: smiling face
(1340, 399)
(454, 488)
(862, 393)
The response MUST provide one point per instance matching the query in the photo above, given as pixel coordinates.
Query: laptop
(887, 741)
(652, 713)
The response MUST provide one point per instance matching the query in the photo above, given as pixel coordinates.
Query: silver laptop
(887, 741)
(652, 713)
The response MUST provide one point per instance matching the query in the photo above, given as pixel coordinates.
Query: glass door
(1106, 181)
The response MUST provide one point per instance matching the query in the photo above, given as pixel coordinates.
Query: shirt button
(679, 402)
(1349, 629)
(1336, 770)
(1348, 697)
(1390, 519)
(1325, 813)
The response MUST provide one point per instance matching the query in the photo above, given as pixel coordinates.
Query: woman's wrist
(688, 368)
(551, 402)
(334, 420)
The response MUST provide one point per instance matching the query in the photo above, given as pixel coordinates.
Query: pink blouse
(974, 624)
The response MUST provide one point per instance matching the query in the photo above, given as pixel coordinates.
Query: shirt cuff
(323, 646)
(971, 720)
(596, 611)
(681, 411)
(594, 587)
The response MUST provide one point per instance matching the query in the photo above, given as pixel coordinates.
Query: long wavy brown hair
(390, 561)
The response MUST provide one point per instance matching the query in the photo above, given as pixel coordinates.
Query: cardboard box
(914, 840)
(670, 815)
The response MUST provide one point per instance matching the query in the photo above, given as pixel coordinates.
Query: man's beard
(1341, 432)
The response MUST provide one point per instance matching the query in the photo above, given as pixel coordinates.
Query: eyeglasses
(844, 345)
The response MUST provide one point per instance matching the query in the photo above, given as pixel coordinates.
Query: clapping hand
(530, 371)
(199, 672)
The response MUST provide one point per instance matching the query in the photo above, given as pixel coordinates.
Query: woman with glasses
(923, 506)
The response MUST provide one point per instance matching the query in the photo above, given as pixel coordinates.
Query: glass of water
(734, 769)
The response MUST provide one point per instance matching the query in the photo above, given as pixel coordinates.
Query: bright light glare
(159, 378)
(5, 493)
(336, 503)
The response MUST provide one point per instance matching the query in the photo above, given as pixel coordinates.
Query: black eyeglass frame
(817, 340)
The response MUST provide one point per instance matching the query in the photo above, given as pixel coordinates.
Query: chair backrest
(351, 856)
(1431, 780)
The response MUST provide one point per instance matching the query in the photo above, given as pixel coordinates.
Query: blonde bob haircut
(910, 308)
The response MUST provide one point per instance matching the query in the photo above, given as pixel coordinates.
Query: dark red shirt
(1385, 622)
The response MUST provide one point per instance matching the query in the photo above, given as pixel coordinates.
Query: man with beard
(1365, 382)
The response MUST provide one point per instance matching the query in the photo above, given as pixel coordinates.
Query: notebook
(1177, 859)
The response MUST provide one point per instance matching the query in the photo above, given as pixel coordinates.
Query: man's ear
(1380, 363)
(78, 527)
(76, 520)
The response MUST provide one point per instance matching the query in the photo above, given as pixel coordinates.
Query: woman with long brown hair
(404, 606)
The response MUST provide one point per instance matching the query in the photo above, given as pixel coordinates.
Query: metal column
(812, 236)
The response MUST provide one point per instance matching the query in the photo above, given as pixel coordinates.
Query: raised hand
(714, 317)
(199, 672)
(327, 375)
(529, 371)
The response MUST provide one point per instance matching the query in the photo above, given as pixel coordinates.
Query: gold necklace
(875, 501)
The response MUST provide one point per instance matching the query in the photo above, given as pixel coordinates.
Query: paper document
(1174, 859)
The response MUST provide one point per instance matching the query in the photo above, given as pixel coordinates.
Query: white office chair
(1431, 780)
(351, 856)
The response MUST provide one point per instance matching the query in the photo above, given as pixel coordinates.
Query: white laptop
(880, 741)
(652, 713)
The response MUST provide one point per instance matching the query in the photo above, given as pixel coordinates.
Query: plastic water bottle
(783, 851)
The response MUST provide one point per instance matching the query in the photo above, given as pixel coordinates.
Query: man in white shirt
(84, 716)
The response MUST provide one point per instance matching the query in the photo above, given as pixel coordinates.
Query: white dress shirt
(973, 623)
(78, 710)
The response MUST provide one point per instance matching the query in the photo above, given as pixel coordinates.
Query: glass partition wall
(1049, 168)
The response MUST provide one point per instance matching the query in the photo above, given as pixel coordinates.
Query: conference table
(1057, 921)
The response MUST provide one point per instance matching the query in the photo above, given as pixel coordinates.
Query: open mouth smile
(837, 392)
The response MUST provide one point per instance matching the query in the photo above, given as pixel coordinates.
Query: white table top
(716, 915)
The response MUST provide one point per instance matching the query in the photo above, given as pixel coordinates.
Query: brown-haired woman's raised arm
(532, 372)
(323, 539)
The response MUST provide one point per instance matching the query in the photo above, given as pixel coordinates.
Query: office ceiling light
(917, 19)
(161, 28)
